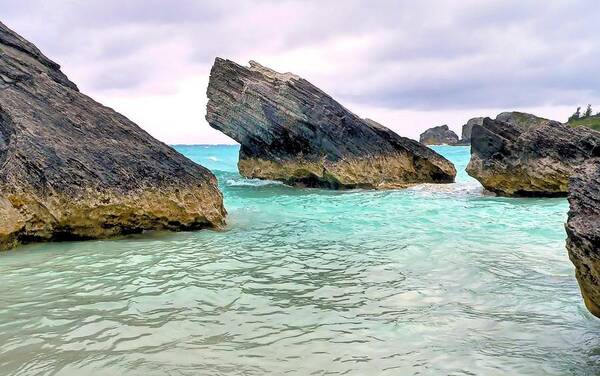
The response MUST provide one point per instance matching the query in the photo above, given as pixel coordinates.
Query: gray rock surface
(521, 119)
(291, 131)
(534, 157)
(440, 135)
(468, 128)
(583, 231)
(71, 168)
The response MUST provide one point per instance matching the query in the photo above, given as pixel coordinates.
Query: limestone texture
(583, 231)
(71, 168)
(291, 131)
(533, 157)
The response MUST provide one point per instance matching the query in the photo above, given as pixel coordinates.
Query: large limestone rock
(583, 230)
(529, 158)
(291, 131)
(440, 135)
(71, 168)
(467, 130)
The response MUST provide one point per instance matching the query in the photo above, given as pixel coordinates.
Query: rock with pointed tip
(291, 131)
(71, 168)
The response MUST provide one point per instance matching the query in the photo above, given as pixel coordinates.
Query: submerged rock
(291, 131)
(529, 156)
(71, 168)
(468, 128)
(440, 135)
(583, 230)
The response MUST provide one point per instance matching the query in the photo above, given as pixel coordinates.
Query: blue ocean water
(432, 280)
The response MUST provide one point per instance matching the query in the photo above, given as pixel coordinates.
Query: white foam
(456, 189)
(251, 182)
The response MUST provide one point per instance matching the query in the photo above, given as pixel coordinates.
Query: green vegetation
(592, 122)
(587, 120)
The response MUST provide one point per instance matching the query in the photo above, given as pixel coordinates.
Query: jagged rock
(291, 131)
(440, 135)
(71, 168)
(583, 230)
(468, 128)
(529, 158)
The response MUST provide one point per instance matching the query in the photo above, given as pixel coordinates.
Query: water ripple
(431, 280)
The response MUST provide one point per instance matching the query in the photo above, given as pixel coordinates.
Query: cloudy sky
(409, 65)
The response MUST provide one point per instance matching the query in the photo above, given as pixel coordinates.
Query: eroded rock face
(291, 131)
(532, 158)
(440, 135)
(583, 230)
(71, 168)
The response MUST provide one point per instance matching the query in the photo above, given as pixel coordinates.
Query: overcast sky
(407, 64)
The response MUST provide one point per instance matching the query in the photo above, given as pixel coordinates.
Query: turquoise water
(433, 280)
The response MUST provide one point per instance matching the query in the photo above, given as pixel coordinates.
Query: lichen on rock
(291, 131)
(71, 168)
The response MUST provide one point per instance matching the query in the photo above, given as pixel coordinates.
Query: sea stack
(467, 129)
(583, 231)
(291, 131)
(529, 156)
(440, 135)
(71, 168)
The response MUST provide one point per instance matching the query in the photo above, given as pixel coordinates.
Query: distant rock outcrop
(71, 168)
(440, 135)
(467, 129)
(583, 230)
(291, 131)
(527, 155)
(521, 119)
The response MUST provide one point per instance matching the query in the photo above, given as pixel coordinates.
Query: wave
(251, 182)
(454, 189)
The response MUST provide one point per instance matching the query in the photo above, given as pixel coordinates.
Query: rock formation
(529, 157)
(291, 131)
(583, 230)
(521, 119)
(467, 129)
(440, 135)
(71, 168)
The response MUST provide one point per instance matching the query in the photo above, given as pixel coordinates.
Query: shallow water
(434, 280)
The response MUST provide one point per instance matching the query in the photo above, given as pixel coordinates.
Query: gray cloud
(401, 54)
